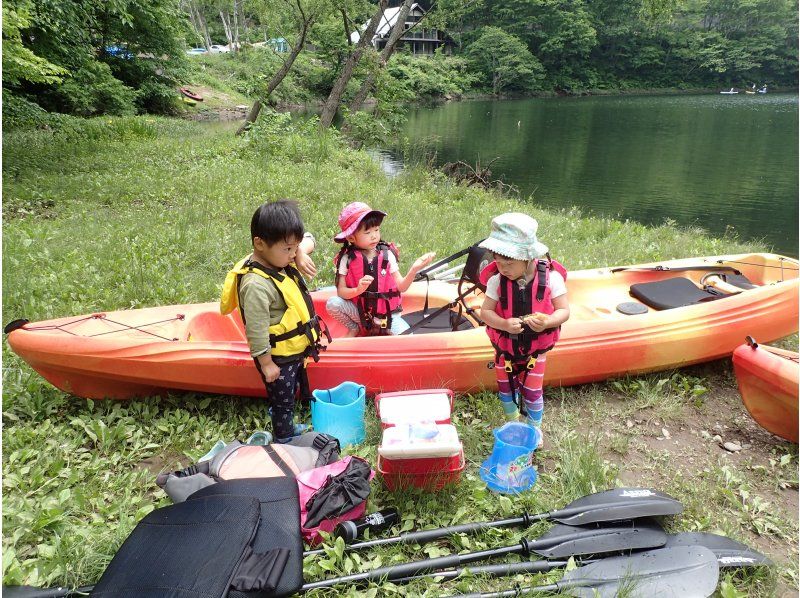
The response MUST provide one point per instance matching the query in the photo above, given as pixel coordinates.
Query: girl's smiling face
(510, 268)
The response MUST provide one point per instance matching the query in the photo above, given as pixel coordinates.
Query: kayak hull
(157, 350)
(768, 383)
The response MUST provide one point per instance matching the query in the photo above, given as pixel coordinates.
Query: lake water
(716, 161)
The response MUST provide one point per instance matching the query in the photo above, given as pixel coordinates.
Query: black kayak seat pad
(188, 550)
(673, 292)
(279, 527)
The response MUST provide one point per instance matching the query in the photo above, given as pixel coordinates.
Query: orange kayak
(768, 379)
(610, 333)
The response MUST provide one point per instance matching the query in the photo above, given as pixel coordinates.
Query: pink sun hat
(351, 216)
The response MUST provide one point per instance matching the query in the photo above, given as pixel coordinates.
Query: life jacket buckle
(384, 322)
(531, 363)
(509, 367)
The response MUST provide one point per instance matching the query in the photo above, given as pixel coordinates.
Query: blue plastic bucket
(509, 469)
(339, 412)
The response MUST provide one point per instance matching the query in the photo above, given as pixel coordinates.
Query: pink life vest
(382, 297)
(516, 301)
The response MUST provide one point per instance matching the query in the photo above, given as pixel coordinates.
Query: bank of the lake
(133, 212)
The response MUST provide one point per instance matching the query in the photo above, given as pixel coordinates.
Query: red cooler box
(422, 455)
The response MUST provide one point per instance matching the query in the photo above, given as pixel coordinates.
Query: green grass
(133, 212)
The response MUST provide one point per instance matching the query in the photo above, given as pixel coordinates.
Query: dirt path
(670, 435)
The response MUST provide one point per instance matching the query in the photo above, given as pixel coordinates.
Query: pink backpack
(314, 482)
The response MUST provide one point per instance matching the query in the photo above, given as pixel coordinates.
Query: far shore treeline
(91, 57)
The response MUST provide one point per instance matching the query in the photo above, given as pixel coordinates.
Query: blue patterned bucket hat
(513, 235)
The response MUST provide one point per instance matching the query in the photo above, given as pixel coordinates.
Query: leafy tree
(117, 56)
(20, 63)
(504, 61)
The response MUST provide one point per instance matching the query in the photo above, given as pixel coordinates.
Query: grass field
(133, 212)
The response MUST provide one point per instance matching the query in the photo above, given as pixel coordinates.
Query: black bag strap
(279, 461)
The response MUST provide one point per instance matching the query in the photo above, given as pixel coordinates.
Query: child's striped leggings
(529, 389)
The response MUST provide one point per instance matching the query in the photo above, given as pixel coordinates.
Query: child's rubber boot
(259, 438)
(509, 406)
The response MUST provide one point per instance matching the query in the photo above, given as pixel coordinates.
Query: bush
(94, 90)
(277, 134)
(431, 77)
(156, 97)
(19, 112)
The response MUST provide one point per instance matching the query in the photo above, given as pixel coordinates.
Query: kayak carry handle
(751, 341)
(14, 325)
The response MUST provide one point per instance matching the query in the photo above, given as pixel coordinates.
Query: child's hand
(364, 283)
(514, 325)
(537, 322)
(423, 261)
(305, 264)
(270, 371)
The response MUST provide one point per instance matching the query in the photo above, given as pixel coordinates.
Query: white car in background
(218, 49)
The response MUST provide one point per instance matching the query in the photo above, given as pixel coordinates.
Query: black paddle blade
(567, 540)
(679, 572)
(617, 505)
(729, 553)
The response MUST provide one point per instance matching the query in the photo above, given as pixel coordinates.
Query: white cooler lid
(416, 407)
(400, 442)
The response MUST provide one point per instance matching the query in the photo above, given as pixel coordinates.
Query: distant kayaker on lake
(368, 280)
(525, 305)
(276, 307)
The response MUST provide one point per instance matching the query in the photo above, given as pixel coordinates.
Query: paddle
(729, 553)
(561, 541)
(680, 572)
(612, 505)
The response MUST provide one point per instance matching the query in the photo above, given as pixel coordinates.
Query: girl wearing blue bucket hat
(525, 305)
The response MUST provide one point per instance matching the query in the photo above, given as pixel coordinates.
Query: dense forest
(89, 57)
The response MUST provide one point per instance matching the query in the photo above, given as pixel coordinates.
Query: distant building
(278, 44)
(419, 40)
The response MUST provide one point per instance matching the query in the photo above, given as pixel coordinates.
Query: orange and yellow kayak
(768, 382)
(610, 333)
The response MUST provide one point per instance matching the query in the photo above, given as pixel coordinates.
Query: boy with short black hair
(272, 298)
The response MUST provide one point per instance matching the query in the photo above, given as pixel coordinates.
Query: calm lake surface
(710, 160)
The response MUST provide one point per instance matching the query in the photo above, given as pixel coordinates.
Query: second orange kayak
(768, 382)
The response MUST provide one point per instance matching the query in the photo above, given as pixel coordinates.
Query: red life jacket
(516, 301)
(382, 297)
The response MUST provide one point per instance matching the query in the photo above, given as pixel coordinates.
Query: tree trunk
(235, 26)
(386, 53)
(202, 28)
(335, 97)
(277, 77)
(227, 26)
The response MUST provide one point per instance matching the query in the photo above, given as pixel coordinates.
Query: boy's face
(278, 255)
(366, 238)
(510, 268)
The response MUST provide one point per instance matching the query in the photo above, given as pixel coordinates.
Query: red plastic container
(431, 474)
(406, 393)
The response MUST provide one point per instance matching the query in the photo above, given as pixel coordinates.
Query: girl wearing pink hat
(525, 305)
(368, 280)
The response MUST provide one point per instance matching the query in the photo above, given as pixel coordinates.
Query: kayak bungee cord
(124, 327)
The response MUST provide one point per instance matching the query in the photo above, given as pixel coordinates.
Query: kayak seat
(738, 280)
(672, 293)
(212, 326)
(446, 321)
